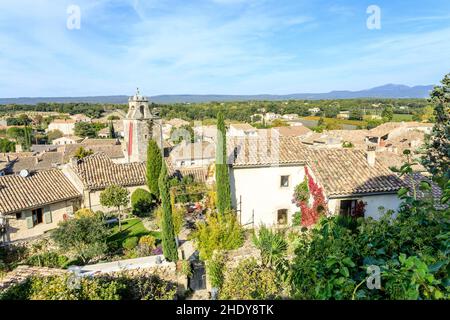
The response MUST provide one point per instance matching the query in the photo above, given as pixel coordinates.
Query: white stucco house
(67, 140)
(33, 204)
(265, 172)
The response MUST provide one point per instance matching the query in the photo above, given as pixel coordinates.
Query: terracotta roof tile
(41, 188)
(340, 171)
(98, 171)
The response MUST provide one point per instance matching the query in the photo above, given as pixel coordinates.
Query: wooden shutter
(29, 219)
(47, 215)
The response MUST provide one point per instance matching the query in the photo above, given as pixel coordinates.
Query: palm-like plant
(272, 246)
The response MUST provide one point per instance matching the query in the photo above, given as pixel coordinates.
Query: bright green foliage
(250, 281)
(222, 174)
(141, 202)
(154, 162)
(301, 192)
(115, 197)
(149, 241)
(168, 235)
(7, 146)
(215, 269)
(123, 286)
(186, 268)
(81, 153)
(437, 157)
(271, 245)
(85, 237)
(388, 113)
(411, 250)
(297, 219)
(219, 232)
(85, 129)
(130, 243)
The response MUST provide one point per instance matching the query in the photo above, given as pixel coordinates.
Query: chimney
(370, 155)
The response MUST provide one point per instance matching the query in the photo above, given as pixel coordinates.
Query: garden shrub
(141, 203)
(271, 245)
(297, 219)
(124, 286)
(84, 237)
(130, 243)
(250, 281)
(47, 259)
(149, 241)
(215, 269)
(85, 212)
(218, 232)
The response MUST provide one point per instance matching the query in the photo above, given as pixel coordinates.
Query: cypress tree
(112, 132)
(154, 162)
(222, 175)
(438, 147)
(168, 234)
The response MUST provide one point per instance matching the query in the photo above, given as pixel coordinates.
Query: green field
(402, 117)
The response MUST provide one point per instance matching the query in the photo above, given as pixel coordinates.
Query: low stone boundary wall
(21, 273)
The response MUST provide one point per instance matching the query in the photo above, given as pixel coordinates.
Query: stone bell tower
(137, 128)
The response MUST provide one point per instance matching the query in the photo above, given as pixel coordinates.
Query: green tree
(85, 129)
(168, 234)
(387, 113)
(81, 153)
(141, 202)
(112, 132)
(154, 163)
(54, 134)
(222, 174)
(7, 146)
(85, 237)
(438, 147)
(115, 197)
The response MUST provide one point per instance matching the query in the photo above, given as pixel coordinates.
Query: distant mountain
(386, 91)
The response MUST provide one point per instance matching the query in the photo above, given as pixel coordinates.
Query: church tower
(137, 128)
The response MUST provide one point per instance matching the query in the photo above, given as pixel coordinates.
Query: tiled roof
(98, 172)
(340, 171)
(112, 151)
(293, 131)
(346, 172)
(192, 151)
(45, 161)
(199, 174)
(41, 188)
(242, 126)
(257, 151)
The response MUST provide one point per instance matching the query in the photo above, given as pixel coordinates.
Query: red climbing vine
(309, 214)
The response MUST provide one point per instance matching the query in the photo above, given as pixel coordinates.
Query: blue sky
(219, 46)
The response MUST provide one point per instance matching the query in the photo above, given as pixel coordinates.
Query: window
(37, 215)
(18, 215)
(347, 207)
(282, 217)
(284, 181)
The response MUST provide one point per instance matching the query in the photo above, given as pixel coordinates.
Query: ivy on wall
(303, 193)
